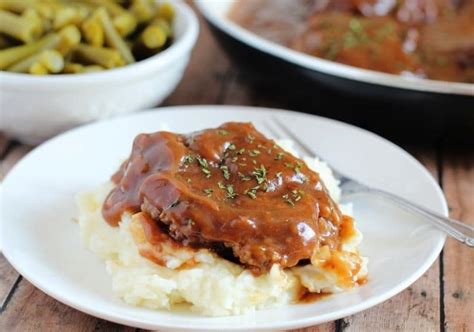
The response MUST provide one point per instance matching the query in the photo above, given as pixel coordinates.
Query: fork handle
(462, 232)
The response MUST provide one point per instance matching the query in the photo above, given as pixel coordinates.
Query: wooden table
(441, 300)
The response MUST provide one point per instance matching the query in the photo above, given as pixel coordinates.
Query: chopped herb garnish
(188, 159)
(279, 156)
(231, 146)
(287, 199)
(297, 194)
(288, 165)
(252, 192)
(223, 132)
(250, 138)
(244, 177)
(220, 185)
(202, 162)
(260, 174)
(234, 159)
(241, 151)
(298, 166)
(230, 192)
(208, 191)
(204, 166)
(225, 172)
(355, 25)
(254, 153)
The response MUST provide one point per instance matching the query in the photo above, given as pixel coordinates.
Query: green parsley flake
(188, 159)
(279, 156)
(260, 174)
(208, 191)
(225, 172)
(254, 153)
(230, 192)
(287, 199)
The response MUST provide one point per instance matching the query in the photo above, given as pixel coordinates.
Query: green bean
(31, 15)
(113, 38)
(142, 10)
(93, 31)
(73, 68)
(16, 26)
(15, 54)
(124, 24)
(16, 6)
(80, 36)
(38, 69)
(153, 36)
(165, 25)
(52, 60)
(113, 8)
(69, 37)
(69, 15)
(106, 57)
(165, 11)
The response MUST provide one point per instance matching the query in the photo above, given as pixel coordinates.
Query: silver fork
(458, 230)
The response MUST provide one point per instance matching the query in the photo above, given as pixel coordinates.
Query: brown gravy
(229, 189)
(424, 38)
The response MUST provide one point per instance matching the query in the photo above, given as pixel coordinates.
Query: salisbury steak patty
(227, 187)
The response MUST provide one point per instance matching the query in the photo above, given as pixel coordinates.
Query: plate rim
(330, 67)
(295, 323)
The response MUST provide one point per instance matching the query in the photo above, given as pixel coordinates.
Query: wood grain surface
(441, 300)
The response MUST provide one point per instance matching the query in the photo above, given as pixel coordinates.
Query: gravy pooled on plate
(232, 190)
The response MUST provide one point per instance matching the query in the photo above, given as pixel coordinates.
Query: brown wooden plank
(205, 75)
(32, 310)
(328, 327)
(8, 275)
(7, 281)
(458, 260)
(418, 307)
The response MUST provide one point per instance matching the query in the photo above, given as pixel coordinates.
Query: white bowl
(33, 108)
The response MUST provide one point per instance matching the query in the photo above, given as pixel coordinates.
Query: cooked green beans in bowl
(42, 37)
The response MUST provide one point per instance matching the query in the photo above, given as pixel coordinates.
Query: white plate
(41, 240)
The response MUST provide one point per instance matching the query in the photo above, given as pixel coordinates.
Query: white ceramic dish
(41, 239)
(216, 12)
(35, 108)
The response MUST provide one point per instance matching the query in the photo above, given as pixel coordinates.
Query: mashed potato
(210, 284)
